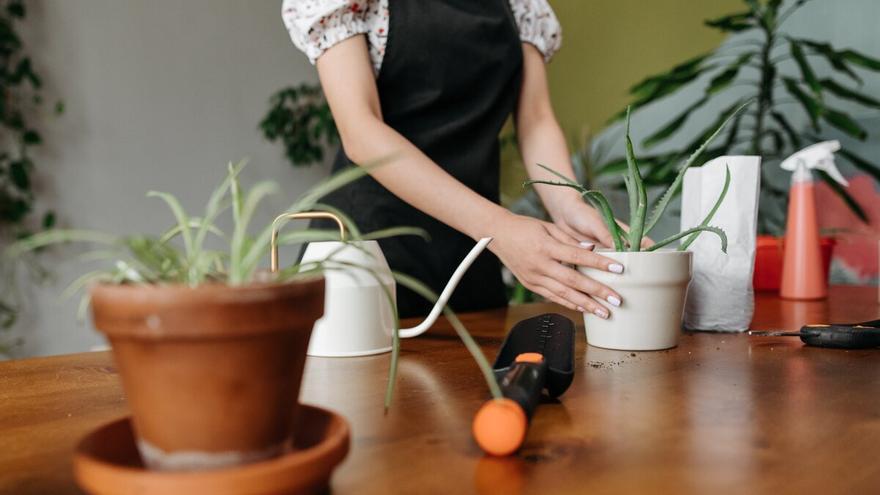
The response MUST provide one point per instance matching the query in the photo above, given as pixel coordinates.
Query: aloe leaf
(845, 123)
(667, 196)
(57, 236)
(180, 215)
(82, 281)
(600, 203)
(471, 345)
(636, 188)
(806, 71)
(843, 194)
(576, 187)
(674, 125)
(565, 179)
(849, 94)
(669, 240)
(810, 104)
(686, 244)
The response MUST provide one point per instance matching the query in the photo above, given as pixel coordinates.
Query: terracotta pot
(768, 261)
(212, 374)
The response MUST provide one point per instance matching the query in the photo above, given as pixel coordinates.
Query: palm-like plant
(640, 222)
(767, 130)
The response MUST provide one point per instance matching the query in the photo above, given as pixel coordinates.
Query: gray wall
(160, 94)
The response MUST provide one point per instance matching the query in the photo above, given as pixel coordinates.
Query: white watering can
(358, 319)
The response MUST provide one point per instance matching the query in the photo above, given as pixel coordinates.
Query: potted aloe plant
(210, 347)
(654, 284)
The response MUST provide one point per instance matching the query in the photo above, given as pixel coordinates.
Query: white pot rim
(659, 252)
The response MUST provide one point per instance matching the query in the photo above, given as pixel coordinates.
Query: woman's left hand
(581, 221)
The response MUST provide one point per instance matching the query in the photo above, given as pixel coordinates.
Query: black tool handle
(523, 383)
(857, 336)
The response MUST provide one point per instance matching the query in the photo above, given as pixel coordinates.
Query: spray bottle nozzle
(819, 156)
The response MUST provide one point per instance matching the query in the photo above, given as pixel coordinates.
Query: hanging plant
(20, 101)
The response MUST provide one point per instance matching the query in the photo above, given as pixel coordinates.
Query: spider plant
(180, 256)
(640, 223)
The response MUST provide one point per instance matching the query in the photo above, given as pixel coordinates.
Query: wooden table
(722, 413)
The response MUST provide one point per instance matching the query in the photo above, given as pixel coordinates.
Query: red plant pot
(768, 261)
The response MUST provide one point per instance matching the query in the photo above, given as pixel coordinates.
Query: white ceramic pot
(653, 287)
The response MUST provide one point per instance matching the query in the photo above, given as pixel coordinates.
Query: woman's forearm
(541, 141)
(415, 178)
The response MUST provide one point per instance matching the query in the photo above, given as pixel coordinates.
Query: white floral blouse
(317, 25)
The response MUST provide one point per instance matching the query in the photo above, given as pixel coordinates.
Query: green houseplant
(189, 321)
(300, 119)
(655, 281)
(752, 66)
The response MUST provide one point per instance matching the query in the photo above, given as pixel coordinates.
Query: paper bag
(720, 296)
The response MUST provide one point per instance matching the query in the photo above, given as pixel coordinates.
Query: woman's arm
(532, 249)
(541, 141)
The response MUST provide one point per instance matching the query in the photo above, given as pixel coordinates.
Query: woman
(430, 83)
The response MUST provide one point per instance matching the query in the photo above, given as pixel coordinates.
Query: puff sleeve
(317, 25)
(538, 25)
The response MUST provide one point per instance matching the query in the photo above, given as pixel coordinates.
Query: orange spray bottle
(803, 276)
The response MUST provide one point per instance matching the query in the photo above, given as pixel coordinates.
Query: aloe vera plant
(640, 223)
(180, 256)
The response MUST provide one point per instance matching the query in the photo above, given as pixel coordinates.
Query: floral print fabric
(317, 25)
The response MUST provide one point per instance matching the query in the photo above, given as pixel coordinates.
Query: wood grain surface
(721, 413)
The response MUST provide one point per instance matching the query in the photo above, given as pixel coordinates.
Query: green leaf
(180, 215)
(806, 71)
(733, 23)
(667, 196)
(31, 137)
(849, 94)
(843, 194)
(845, 123)
(669, 240)
(48, 220)
(810, 104)
(861, 163)
(728, 75)
(793, 137)
(860, 59)
(57, 236)
(19, 172)
(674, 125)
(835, 59)
(705, 223)
(600, 203)
(635, 189)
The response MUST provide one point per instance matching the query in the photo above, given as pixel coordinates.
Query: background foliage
(752, 67)
(20, 99)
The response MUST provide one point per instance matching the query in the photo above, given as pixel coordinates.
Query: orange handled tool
(537, 355)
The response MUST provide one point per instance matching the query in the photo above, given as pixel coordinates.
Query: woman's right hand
(538, 253)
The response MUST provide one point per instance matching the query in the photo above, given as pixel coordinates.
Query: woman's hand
(537, 253)
(583, 222)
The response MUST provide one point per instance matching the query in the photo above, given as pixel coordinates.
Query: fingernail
(615, 268)
(580, 309)
(614, 300)
(601, 313)
(587, 245)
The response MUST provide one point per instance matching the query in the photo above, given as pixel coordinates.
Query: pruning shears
(865, 335)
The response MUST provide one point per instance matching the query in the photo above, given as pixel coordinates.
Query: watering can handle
(447, 291)
(281, 219)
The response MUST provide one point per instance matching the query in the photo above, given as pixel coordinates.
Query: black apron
(449, 79)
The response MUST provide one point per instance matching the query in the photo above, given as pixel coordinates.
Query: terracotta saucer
(107, 463)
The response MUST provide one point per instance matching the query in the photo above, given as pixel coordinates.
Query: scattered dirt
(632, 354)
